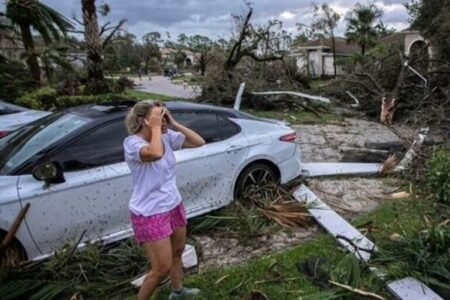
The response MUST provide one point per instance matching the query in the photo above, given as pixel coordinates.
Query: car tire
(13, 254)
(257, 174)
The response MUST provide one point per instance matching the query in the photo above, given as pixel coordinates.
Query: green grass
(393, 216)
(299, 117)
(141, 95)
(287, 281)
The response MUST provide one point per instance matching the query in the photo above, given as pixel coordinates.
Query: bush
(439, 174)
(41, 99)
(122, 84)
(15, 81)
(70, 101)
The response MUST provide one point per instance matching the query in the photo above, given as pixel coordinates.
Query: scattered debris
(238, 99)
(389, 165)
(337, 226)
(357, 291)
(397, 196)
(405, 163)
(356, 104)
(303, 95)
(360, 246)
(313, 169)
(410, 288)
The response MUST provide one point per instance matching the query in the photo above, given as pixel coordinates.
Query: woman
(157, 214)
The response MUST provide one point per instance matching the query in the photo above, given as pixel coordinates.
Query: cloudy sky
(213, 17)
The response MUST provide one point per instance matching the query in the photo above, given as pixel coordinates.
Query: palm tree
(361, 29)
(32, 14)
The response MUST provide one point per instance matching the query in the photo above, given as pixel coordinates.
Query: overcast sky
(213, 17)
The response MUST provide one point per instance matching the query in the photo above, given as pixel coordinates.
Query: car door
(205, 175)
(89, 204)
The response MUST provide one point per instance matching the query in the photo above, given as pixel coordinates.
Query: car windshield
(26, 142)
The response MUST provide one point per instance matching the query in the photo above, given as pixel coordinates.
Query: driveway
(163, 85)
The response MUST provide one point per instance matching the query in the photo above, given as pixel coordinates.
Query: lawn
(141, 95)
(277, 275)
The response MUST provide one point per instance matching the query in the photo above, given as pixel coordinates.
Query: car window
(205, 124)
(100, 147)
(227, 128)
(30, 140)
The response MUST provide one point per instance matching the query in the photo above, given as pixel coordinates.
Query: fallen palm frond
(389, 165)
(280, 206)
(97, 272)
(253, 214)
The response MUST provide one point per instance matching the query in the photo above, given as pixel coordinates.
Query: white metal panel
(411, 289)
(313, 169)
(334, 224)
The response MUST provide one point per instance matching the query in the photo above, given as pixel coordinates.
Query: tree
(326, 21)
(32, 14)
(95, 44)
(183, 39)
(247, 39)
(179, 58)
(152, 53)
(361, 27)
(202, 47)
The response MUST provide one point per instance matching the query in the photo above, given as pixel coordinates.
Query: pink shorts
(158, 227)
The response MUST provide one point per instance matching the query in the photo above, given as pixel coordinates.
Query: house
(167, 55)
(315, 58)
(412, 43)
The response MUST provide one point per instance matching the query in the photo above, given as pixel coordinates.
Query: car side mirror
(51, 172)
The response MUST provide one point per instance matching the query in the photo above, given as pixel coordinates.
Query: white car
(14, 116)
(69, 166)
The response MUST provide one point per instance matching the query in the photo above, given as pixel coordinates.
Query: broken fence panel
(346, 235)
(411, 289)
(303, 95)
(313, 169)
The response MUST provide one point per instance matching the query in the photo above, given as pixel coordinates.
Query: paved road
(162, 85)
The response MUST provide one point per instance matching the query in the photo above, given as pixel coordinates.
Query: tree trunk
(28, 43)
(363, 49)
(333, 41)
(93, 41)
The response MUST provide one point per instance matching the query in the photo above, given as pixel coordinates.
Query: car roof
(103, 110)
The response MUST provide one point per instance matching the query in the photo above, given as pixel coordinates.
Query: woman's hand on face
(155, 119)
(170, 120)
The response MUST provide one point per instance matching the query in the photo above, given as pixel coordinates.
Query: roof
(342, 45)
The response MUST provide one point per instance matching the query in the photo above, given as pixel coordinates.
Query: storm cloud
(213, 17)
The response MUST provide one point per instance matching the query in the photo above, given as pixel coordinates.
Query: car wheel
(12, 255)
(253, 177)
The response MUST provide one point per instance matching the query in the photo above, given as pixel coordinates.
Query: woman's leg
(160, 255)
(178, 240)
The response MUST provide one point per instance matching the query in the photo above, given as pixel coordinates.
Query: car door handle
(233, 148)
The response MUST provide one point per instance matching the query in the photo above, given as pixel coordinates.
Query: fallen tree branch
(356, 291)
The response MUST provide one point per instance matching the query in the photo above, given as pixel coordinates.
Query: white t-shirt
(154, 183)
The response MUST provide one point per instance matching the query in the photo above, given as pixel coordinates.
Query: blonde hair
(135, 117)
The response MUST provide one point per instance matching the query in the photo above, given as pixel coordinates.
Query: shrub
(42, 99)
(122, 84)
(15, 81)
(70, 101)
(439, 174)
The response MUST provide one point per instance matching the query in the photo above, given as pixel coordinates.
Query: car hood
(13, 121)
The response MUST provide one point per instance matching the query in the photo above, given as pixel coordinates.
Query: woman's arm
(193, 140)
(155, 150)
